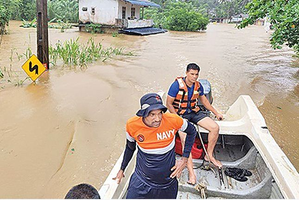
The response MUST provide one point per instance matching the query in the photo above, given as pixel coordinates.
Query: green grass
(12, 76)
(71, 52)
(28, 53)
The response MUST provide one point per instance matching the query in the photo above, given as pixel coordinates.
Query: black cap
(149, 102)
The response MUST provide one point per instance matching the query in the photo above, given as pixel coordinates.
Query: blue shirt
(154, 169)
(174, 89)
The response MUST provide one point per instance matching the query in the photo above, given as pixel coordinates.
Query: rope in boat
(201, 187)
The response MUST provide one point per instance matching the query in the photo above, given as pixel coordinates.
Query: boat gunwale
(252, 125)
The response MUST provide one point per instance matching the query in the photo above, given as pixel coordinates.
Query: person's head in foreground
(83, 191)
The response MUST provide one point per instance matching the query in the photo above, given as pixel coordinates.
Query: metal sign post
(42, 32)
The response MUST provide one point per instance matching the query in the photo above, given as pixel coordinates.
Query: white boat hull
(279, 177)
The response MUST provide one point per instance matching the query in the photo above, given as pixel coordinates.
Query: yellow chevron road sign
(33, 67)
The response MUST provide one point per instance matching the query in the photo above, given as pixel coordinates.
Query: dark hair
(83, 191)
(193, 66)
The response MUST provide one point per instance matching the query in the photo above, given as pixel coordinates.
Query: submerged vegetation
(12, 76)
(94, 28)
(28, 24)
(9, 74)
(59, 25)
(71, 52)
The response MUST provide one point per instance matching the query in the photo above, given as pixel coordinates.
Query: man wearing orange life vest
(154, 133)
(182, 99)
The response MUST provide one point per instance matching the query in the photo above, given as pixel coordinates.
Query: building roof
(143, 3)
(143, 31)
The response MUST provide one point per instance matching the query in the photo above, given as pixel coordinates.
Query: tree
(64, 10)
(184, 17)
(283, 16)
(27, 9)
(179, 16)
(14, 9)
(4, 16)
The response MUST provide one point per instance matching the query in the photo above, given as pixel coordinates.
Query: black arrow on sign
(35, 67)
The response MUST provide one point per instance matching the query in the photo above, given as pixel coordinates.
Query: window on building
(123, 13)
(84, 9)
(93, 11)
(132, 13)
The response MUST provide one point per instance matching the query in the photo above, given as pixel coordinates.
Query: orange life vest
(180, 102)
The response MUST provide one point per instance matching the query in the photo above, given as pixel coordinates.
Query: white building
(115, 13)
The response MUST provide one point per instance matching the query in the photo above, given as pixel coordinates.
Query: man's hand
(178, 168)
(119, 176)
(196, 109)
(219, 116)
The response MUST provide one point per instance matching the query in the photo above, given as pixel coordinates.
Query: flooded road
(68, 128)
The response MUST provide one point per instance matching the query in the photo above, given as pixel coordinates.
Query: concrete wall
(106, 11)
(140, 23)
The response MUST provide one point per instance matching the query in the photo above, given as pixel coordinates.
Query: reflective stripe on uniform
(158, 150)
(131, 139)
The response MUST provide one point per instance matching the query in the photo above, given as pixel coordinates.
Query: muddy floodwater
(68, 127)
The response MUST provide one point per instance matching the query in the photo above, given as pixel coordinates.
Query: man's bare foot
(215, 162)
(192, 179)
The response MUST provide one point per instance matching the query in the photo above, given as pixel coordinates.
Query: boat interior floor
(237, 152)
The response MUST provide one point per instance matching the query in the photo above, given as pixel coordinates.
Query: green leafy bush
(284, 18)
(184, 17)
(27, 9)
(179, 16)
(94, 28)
(4, 18)
(28, 24)
(64, 10)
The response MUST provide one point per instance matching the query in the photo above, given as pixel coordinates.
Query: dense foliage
(4, 16)
(189, 15)
(27, 9)
(63, 10)
(214, 9)
(182, 16)
(283, 16)
(179, 16)
(228, 9)
(193, 15)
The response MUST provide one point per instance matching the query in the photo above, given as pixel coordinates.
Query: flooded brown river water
(68, 128)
